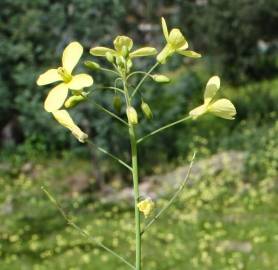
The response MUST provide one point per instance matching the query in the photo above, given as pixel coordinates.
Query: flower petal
(71, 56)
(198, 111)
(164, 28)
(223, 108)
(101, 51)
(63, 117)
(212, 87)
(177, 40)
(48, 77)
(80, 81)
(121, 41)
(146, 51)
(56, 98)
(191, 54)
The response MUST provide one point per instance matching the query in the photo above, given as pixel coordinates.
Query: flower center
(66, 76)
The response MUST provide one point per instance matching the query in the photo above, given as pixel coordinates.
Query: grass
(221, 222)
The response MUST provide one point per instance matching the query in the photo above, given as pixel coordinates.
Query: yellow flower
(123, 46)
(223, 108)
(176, 43)
(146, 206)
(57, 96)
(63, 117)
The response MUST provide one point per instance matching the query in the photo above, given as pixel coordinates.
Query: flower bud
(132, 115)
(92, 65)
(160, 78)
(120, 61)
(73, 101)
(109, 56)
(117, 103)
(146, 206)
(124, 51)
(146, 110)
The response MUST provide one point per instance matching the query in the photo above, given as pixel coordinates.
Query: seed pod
(146, 110)
(117, 103)
(132, 115)
(92, 65)
(109, 56)
(160, 78)
(73, 101)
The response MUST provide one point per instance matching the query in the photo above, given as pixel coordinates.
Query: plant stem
(134, 157)
(144, 78)
(176, 194)
(162, 128)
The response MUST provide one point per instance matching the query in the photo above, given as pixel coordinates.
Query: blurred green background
(226, 218)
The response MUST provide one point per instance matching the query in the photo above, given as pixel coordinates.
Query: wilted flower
(146, 206)
(57, 96)
(176, 43)
(223, 108)
(63, 117)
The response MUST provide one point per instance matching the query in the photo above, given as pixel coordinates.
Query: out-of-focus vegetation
(226, 220)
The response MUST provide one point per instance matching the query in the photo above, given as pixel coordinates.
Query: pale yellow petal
(63, 117)
(190, 54)
(223, 108)
(56, 98)
(212, 87)
(198, 111)
(48, 77)
(101, 51)
(71, 56)
(146, 51)
(164, 28)
(80, 81)
(146, 206)
(177, 40)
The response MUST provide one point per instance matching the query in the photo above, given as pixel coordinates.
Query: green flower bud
(124, 51)
(120, 61)
(146, 110)
(117, 103)
(109, 56)
(132, 115)
(160, 78)
(92, 65)
(73, 101)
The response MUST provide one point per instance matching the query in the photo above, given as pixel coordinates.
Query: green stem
(176, 194)
(138, 72)
(144, 78)
(163, 128)
(134, 157)
(109, 154)
(109, 70)
(110, 113)
(83, 232)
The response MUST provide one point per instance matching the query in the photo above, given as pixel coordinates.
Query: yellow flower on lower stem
(146, 206)
(57, 96)
(63, 117)
(223, 108)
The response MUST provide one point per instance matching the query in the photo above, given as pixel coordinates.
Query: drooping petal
(190, 54)
(223, 108)
(71, 56)
(80, 81)
(50, 76)
(198, 111)
(63, 117)
(146, 51)
(212, 87)
(56, 98)
(164, 28)
(101, 51)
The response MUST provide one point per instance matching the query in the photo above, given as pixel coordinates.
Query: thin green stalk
(138, 72)
(112, 88)
(83, 232)
(144, 78)
(163, 128)
(176, 194)
(109, 70)
(109, 154)
(110, 113)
